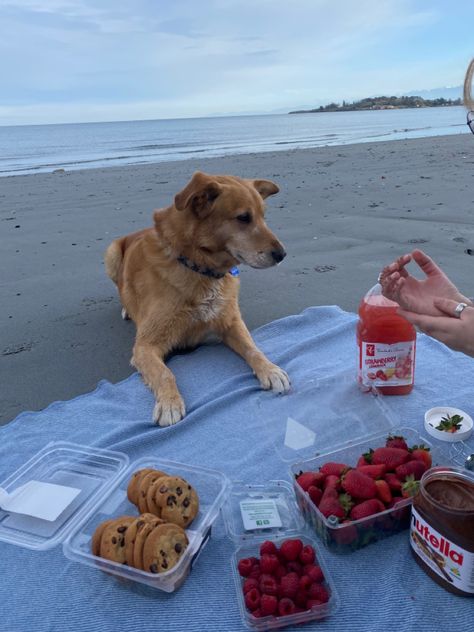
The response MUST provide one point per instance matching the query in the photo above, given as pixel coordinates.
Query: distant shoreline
(382, 103)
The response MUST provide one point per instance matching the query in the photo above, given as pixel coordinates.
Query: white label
(298, 436)
(448, 560)
(259, 514)
(39, 500)
(387, 365)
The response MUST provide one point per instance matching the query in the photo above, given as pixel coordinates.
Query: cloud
(154, 58)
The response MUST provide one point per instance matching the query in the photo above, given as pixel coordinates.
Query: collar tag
(234, 271)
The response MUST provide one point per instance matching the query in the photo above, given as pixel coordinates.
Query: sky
(108, 60)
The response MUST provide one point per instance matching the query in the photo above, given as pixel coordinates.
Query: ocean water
(41, 148)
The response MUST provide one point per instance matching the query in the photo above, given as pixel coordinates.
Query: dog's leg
(148, 360)
(237, 337)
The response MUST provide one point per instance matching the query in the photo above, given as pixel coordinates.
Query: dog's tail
(113, 260)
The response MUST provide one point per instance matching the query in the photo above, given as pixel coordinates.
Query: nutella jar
(442, 528)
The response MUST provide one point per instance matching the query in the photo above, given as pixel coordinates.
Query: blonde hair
(468, 98)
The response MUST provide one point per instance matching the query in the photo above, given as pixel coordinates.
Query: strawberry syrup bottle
(387, 344)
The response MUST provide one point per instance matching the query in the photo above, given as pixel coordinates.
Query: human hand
(415, 295)
(456, 333)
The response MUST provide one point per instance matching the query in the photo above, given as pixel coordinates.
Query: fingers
(446, 306)
(396, 266)
(427, 264)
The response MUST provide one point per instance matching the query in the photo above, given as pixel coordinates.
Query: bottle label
(448, 560)
(387, 365)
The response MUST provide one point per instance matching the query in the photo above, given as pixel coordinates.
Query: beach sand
(342, 213)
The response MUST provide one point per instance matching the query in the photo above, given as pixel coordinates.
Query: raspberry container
(255, 513)
(353, 421)
(99, 479)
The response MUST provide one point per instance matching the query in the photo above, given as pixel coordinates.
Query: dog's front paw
(273, 378)
(168, 411)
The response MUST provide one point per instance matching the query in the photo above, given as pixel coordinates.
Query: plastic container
(101, 478)
(345, 538)
(387, 345)
(275, 500)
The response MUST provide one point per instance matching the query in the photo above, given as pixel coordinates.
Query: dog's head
(227, 214)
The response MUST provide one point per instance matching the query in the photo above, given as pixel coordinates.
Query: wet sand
(342, 213)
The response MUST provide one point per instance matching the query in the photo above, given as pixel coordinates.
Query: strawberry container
(98, 480)
(332, 419)
(256, 513)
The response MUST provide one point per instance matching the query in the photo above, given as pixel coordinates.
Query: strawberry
(336, 469)
(334, 504)
(269, 563)
(318, 591)
(314, 573)
(393, 482)
(331, 481)
(250, 583)
(450, 423)
(410, 486)
(307, 555)
(383, 491)
(374, 471)
(362, 461)
(285, 607)
(268, 585)
(268, 604)
(415, 468)
(359, 485)
(396, 442)
(391, 457)
(422, 453)
(367, 456)
(315, 494)
(290, 549)
(252, 599)
(367, 508)
(268, 547)
(289, 585)
(306, 479)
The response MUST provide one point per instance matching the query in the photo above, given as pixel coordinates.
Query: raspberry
(250, 583)
(268, 604)
(294, 567)
(313, 602)
(268, 585)
(305, 582)
(268, 547)
(314, 573)
(289, 585)
(255, 572)
(252, 599)
(290, 549)
(280, 571)
(301, 598)
(245, 566)
(269, 563)
(257, 613)
(307, 555)
(285, 607)
(317, 591)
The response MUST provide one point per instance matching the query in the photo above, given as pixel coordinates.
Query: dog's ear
(265, 187)
(198, 196)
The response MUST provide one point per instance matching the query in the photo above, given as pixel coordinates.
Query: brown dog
(174, 279)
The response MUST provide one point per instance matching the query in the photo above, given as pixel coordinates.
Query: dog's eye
(245, 218)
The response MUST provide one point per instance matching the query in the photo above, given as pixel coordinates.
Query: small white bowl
(433, 417)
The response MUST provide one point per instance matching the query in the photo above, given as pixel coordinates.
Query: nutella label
(387, 365)
(448, 560)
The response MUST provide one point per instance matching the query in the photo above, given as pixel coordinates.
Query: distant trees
(383, 103)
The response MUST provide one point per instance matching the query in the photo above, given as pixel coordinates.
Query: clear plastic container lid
(261, 512)
(322, 415)
(55, 491)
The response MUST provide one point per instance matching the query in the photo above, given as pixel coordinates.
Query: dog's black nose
(278, 255)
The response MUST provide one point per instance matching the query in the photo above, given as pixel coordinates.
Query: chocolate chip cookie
(177, 500)
(142, 489)
(132, 489)
(112, 542)
(163, 548)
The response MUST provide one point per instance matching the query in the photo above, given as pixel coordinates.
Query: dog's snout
(278, 255)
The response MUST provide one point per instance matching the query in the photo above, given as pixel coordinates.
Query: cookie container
(100, 478)
(255, 513)
(333, 419)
